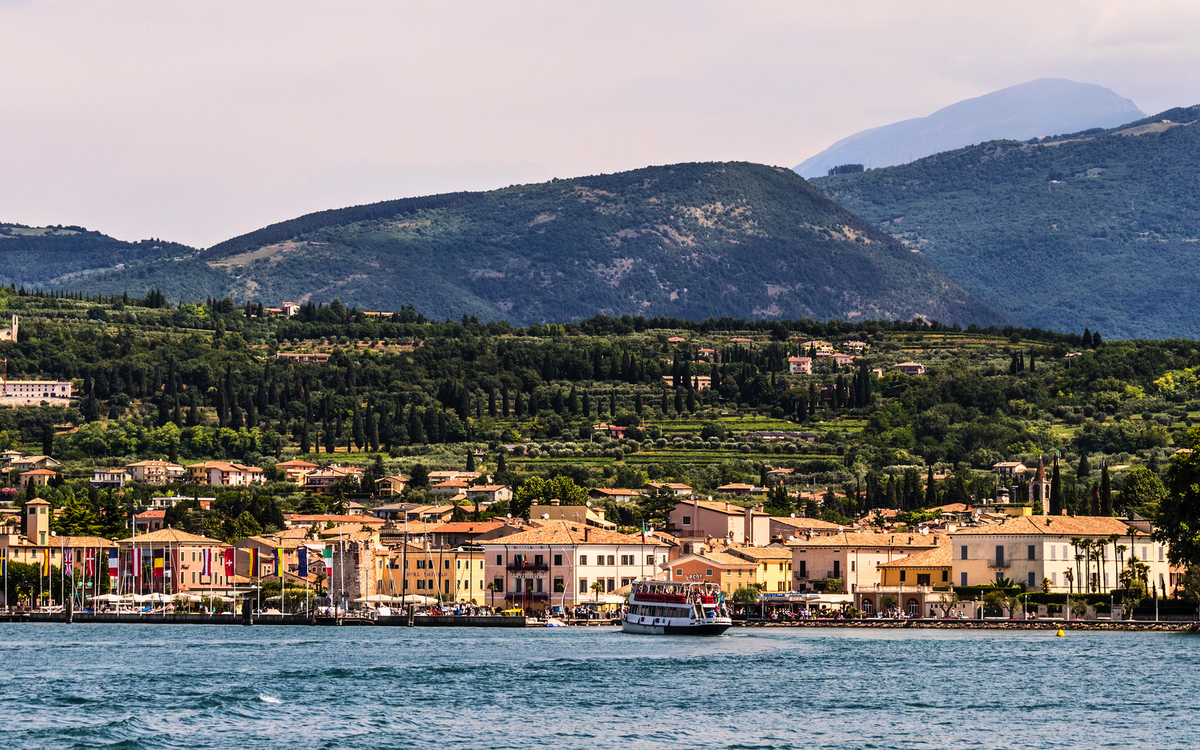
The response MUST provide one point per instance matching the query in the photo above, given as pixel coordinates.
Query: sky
(199, 121)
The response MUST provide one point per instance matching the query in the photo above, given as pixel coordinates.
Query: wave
(269, 698)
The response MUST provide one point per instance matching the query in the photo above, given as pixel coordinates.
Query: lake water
(131, 686)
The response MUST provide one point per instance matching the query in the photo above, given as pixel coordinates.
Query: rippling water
(132, 686)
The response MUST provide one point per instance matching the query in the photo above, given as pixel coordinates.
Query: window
(679, 571)
(481, 564)
(612, 559)
(539, 560)
(1160, 554)
(497, 583)
(1054, 579)
(1144, 555)
(499, 560)
(458, 564)
(627, 560)
(583, 586)
(1031, 583)
(583, 559)
(612, 585)
(964, 576)
(964, 555)
(945, 576)
(558, 559)
(852, 565)
(1032, 553)
(649, 559)
(558, 584)
(687, 520)
(902, 575)
(1053, 550)
(420, 565)
(803, 569)
(708, 571)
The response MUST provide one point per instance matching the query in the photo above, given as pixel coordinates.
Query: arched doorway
(914, 607)
(867, 607)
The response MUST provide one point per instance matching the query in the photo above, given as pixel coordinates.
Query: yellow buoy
(1061, 634)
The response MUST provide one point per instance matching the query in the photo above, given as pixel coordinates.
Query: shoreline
(1120, 625)
(87, 618)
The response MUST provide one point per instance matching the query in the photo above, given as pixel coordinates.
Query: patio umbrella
(142, 598)
(111, 598)
(414, 599)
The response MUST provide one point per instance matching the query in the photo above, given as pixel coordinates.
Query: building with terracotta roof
(295, 470)
(489, 493)
(454, 486)
(800, 365)
(909, 368)
(774, 572)
(155, 472)
(851, 557)
(28, 463)
(36, 478)
(782, 529)
(917, 582)
(183, 557)
(557, 564)
(224, 473)
(614, 493)
(701, 519)
(459, 533)
(114, 478)
(1030, 549)
(149, 520)
(321, 520)
(391, 486)
(579, 514)
(727, 571)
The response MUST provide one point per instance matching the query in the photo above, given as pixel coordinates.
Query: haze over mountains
(1038, 108)
(688, 240)
(1098, 229)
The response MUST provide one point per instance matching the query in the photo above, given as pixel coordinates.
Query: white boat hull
(675, 626)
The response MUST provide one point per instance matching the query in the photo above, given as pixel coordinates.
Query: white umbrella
(113, 598)
(376, 599)
(414, 599)
(142, 598)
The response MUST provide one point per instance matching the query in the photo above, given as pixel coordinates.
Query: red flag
(89, 562)
(229, 563)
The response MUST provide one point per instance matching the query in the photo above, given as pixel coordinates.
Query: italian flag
(327, 555)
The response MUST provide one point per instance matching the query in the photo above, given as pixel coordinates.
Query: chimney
(555, 501)
(748, 531)
(726, 506)
(587, 533)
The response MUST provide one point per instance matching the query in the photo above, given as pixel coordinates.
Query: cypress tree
(930, 490)
(305, 444)
(1056, 493)
(1084, 468)
(1106, 499)
(504, 402)
(587, 405)
(492, 403)
(359, 432)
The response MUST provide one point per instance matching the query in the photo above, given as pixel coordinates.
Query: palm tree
(492, 589)
(598, 587)
(1112, 539)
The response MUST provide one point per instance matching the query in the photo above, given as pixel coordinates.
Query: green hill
(1098, 229)
(63, 256)
(689, 241)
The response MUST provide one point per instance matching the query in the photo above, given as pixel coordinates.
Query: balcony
(528, 596)
(999, 563)
(526, 566)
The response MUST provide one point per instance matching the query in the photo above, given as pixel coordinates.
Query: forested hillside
(67, 255)
(1099, 229)
(689, 240)
(404, 395)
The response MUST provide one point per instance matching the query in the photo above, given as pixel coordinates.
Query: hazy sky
(197, 121)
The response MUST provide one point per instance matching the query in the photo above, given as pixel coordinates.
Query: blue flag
(302, 556)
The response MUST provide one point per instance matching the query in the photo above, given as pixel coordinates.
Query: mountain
(1099, 228)
(61, 256)
(1041, 107)
(690, 241)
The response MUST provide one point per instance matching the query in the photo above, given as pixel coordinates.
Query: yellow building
(774, 565)
(914, 584)
(456, 575)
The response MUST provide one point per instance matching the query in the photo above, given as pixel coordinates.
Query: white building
(35, 391)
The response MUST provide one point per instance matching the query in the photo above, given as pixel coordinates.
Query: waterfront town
(570, 560)
(841, 472)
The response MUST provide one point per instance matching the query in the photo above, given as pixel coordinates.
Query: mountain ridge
(687, 240)
(1039, 107)
(1096, 228)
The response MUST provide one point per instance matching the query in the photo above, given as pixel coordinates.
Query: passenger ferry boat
(676, 608)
